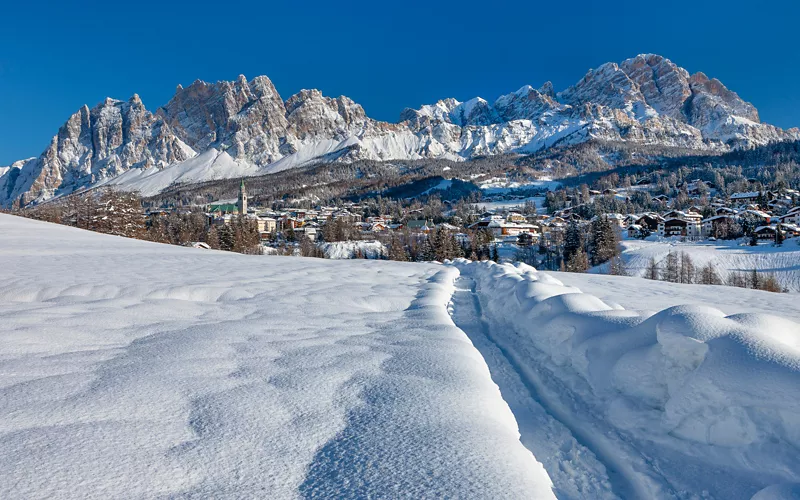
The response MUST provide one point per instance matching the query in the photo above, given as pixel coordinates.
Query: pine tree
(397, 250)
(578, 262)
(495, 254)
(573, 241)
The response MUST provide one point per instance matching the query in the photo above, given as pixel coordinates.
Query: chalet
(713, 225)
(790, 218)
(680, 227)
(636, 231)
(677, 214)
(745, 197)
(650, 221)
(765, 232)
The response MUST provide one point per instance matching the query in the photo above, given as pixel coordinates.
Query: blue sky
(385, 55)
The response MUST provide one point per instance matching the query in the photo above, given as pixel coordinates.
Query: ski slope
(131, 369)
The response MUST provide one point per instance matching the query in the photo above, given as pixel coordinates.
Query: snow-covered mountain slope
(646, 100)
(133, 369)
(686, 402)
(726, 256)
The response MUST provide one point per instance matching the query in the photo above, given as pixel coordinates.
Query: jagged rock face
(248, 118)
(647, 99)
(96, 144)
(662, 84)
(311, 115)
(527, 103)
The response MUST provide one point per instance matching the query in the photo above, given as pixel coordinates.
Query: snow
(726, 256)
(133, 369)
(686, 402)
(209, 165)
(370, 249)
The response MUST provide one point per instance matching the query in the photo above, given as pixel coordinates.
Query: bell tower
(242, 203)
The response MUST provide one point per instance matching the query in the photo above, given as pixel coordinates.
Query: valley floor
(132, 369)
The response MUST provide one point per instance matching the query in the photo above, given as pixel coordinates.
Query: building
(241, 204)
(672, 227)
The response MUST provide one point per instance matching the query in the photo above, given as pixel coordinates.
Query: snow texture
(131, 369)
(685, 402)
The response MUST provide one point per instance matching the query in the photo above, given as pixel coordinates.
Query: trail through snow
(585, 459)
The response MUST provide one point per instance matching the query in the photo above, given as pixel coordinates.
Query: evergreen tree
(578, 262)
(573, 241)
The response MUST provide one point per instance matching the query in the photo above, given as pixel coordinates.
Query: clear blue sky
(385, 55)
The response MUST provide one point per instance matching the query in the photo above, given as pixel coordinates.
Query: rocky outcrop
(647, 99)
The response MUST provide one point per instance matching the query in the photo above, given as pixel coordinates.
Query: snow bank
(131, 369)
(368, 249)
(713, 400)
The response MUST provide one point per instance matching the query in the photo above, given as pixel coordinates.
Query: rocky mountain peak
(646, 100)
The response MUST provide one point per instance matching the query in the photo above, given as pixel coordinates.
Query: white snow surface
(370, 249)
(209, 165)
(726, 256)
(131, 369)
(687, 402)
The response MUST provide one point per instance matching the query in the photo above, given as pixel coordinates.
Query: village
(517, 223)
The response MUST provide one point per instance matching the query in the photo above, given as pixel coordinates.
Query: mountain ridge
(647, 99)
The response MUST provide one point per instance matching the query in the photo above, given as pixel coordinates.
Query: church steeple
(242, 203)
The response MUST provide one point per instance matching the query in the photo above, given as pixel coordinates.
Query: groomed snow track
(540, 339)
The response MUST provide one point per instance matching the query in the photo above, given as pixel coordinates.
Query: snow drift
(131, 369)
(711, 402)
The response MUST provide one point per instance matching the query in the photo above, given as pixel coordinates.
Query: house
(636, 231)
(745, 197)
(266, 224)
(672, 227)
(677, 214)
(765, 232)
(712, 227)
(650, 221)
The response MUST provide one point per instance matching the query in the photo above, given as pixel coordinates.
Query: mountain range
(241, 128)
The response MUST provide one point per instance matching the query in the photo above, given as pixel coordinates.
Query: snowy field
(684, 402)
(135, 370)
(783, 261)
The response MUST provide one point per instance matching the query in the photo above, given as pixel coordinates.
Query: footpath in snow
(687, 402)
(136, 370)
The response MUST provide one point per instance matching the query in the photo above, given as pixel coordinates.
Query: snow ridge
(695, 400)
